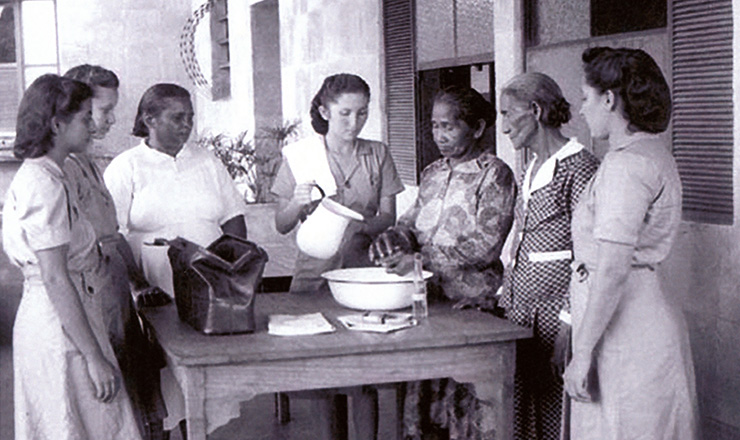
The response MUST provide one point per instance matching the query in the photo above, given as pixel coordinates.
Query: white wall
(236, 113)
(137, 39)
(319, 38)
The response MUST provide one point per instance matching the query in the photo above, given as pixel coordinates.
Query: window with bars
(28, 49)
(703, 108)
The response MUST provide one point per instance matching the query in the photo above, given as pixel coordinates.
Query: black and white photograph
(369, 220)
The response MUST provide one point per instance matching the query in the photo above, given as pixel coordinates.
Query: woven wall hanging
(187, 49)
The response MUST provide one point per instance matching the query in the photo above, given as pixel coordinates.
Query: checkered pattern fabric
(536, 291)
(187, 48)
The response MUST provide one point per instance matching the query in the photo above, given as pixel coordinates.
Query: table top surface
(445, 328)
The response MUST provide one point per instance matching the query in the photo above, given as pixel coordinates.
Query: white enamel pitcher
(321, 233)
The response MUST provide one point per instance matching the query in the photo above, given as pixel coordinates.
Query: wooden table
(216, 373)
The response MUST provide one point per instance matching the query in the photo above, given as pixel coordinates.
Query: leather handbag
(215, 286)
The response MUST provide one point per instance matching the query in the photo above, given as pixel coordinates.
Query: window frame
(7, 136)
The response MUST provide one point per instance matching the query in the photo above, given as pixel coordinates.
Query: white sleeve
(119, 179)
(232, 202)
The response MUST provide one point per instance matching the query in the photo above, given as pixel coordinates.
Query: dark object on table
(152, 296)
(215, 286)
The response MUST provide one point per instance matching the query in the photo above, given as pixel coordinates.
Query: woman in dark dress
(139, 368)
(536, 283)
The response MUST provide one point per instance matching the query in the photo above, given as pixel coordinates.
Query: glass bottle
(419, 308)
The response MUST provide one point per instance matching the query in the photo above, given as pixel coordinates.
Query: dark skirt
(138, 357)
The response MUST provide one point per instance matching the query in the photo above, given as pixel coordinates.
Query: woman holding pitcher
(358, 174)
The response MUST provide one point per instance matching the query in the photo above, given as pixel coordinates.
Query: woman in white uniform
(631, 375)
(67, 381)
(165, 188)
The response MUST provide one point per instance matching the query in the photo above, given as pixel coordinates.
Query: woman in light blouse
(631, 375)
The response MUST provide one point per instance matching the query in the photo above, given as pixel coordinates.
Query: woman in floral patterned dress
(536, 283)
(459, 223)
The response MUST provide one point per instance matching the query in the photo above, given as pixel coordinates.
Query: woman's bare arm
(605, 294)
(385, 218)
(607, 288)
(135, 275)
(291, 210)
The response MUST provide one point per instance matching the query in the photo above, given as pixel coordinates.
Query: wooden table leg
(195, 413)
(282, 408)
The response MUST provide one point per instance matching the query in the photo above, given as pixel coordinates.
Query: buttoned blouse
(461, 218)
(634, 199)
(541, 243)
(153, 191)
(371, 176)
(86, 179)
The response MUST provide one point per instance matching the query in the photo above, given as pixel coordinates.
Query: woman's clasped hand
(104, 377)
(394, 249)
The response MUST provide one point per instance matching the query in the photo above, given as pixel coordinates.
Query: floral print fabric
(461, 218)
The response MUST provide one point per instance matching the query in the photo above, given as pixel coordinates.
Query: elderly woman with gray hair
(535, 289)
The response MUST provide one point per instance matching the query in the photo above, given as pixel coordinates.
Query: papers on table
(381, 322)
(316, 323)
(296, 325)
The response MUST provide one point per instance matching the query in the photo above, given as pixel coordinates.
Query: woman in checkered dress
(536, 282)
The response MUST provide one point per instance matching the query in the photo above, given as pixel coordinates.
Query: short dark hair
(152, 103)
(469, 105)
(94, 76)
(47, 97)
(633, 76)
(330, 90)
(542, 89)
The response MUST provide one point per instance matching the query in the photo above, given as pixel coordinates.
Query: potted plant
(253, 163)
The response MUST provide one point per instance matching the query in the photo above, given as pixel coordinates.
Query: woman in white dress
(67, 381)
(165, 188)
(631, 376)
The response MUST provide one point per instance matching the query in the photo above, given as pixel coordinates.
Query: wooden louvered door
(703, 109)
(400, 70)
